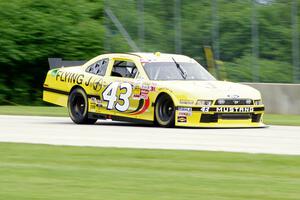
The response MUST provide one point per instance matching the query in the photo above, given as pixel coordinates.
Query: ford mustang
(163, 89)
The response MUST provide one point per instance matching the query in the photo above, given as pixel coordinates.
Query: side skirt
(118, 118)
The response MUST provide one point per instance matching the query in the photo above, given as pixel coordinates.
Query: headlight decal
(186, 102)
(201, 102)
(258, 102)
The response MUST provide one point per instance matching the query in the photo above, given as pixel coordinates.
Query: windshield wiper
(182, 71)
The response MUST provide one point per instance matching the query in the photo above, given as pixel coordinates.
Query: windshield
(170, 71)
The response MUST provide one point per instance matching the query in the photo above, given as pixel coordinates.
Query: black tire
(78, 107)
(165, 111)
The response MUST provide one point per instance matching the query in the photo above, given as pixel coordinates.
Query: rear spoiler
(59, 62)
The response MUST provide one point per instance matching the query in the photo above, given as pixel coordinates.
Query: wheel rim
(166, 110)
(78, 106)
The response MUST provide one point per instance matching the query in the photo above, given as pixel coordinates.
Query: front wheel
(78, 107)
(165, 111)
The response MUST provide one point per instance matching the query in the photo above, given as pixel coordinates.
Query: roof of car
(162, 57)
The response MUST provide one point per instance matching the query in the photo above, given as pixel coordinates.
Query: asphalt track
(62, 131)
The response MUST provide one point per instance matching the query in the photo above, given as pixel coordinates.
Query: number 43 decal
(110, 95)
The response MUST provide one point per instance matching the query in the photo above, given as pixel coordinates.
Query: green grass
(291, 120)
(70, 173)
(34, 110)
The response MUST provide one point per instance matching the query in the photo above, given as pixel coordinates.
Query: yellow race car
(165, 89)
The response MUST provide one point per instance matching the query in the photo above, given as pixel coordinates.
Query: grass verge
(34, 110)
(56, 172)
(291, 120)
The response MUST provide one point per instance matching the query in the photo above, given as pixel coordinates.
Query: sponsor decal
(152, 88)
(143, 91)
(182, 119)
(182, 111)
(144, 94)
(234, 96)
(99, 103)
(69, 77)
(136, 97)
(93, 100)
(97, 84)
(186, 102)
(95, 103)
(235, 109)
(148, 87)
(145, 87)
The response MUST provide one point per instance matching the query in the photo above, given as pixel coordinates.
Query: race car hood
(210, 90)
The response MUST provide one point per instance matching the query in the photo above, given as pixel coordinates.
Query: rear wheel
(78, 107)
(165, 111)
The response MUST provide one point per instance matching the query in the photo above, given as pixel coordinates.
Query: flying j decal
(69, 77)
(97, 84)
(110, 95)
(87, 83)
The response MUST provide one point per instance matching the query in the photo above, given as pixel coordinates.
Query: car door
(122, 93)
(95, 84)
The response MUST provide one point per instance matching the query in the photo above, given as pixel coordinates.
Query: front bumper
(220, 116)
